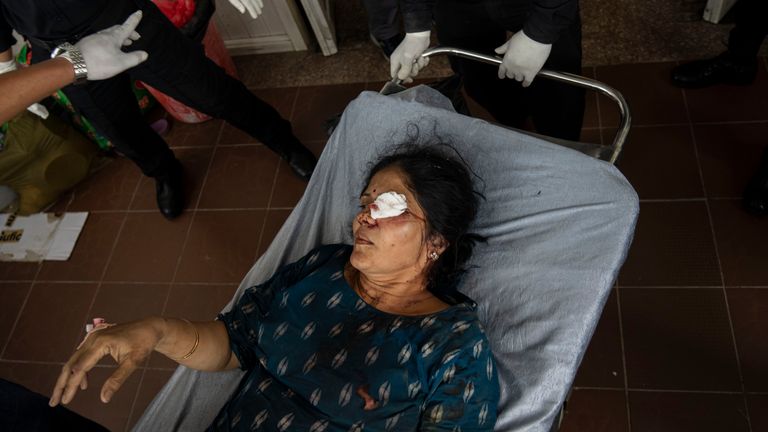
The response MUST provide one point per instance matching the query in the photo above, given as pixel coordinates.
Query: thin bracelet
(197, 341)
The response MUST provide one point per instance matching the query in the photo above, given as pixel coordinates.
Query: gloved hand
(406, 61)
(523, 58)
(254, 6)
(102, 53)
(35, 108)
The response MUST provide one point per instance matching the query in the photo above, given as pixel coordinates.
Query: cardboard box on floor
(41, 236)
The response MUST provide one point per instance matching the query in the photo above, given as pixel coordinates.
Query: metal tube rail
(568, 78)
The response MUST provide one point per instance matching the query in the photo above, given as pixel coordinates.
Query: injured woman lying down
(367, 337)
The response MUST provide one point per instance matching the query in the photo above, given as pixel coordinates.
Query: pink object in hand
(98, 324)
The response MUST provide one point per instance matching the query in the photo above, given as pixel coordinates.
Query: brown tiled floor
(681, 344)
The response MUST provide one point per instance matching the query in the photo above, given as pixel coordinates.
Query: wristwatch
(71, 53)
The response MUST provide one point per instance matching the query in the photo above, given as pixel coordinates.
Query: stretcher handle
(568, 78)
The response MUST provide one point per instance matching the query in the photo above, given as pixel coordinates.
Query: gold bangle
(197, 341)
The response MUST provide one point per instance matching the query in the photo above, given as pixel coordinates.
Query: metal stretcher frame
(610, 153)
(598, 210)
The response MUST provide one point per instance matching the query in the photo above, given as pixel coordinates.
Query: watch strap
(74, 56)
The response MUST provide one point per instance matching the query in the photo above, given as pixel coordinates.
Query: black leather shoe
(170, 193)
(756, 194)
(722, 69)
(301, 161)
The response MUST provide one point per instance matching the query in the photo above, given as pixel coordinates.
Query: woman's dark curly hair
(442, 183)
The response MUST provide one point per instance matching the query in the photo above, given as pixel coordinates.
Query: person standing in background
(737, 65)
(176, 66)
(384, 24)
(546, 33)
(102, 57)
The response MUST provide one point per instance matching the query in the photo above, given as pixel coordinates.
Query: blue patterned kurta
(314, 352)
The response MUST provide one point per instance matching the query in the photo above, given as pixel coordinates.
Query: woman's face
(389, 248)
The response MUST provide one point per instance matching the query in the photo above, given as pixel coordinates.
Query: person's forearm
(24, 87)
(207, 341)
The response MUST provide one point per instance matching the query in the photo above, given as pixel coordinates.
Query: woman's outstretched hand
(129, 345)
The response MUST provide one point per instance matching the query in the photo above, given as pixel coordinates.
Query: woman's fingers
(128, 344)
(116, 380)
(72, 386)
(73, 372)
(84, 382)
(66, 385)
(58, 388)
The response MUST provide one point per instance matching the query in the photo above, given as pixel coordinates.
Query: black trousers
(556, 109)
(383, 18)
(23, 410)
(750, 30)
(179, 68)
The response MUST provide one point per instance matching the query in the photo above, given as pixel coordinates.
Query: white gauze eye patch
(388, 204)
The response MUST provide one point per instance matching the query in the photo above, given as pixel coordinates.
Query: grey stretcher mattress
(559, 225)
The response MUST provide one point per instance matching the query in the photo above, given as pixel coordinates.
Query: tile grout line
(719, 263)
(189, 229)
(274, 179)
(207, 172)
(240, 145)
(266, 215)
(672, 287)
(705, 123)
(293, 105)
(269, 204)
(618, 295)
(98, 283)
(176, 269)
(615, 389)
(623, 360)
(653, 390)
(21, 309)
(51, 363)
(109, 260)
(714, 392)
(668, 200)
(729, 122)
(99, 366)
(98, 286)
(119, 282)
(186, 209)
(667, 125)
(112, 250)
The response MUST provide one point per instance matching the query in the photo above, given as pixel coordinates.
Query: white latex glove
(35, 108)
(254, 7)
(406, 61)
(523, 58)
(101, 51)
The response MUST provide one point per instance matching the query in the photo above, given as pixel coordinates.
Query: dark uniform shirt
(545, 21)
(48, 19)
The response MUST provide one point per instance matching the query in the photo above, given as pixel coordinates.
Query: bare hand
(128, 344)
